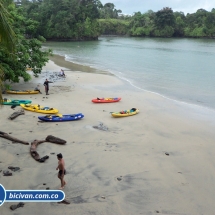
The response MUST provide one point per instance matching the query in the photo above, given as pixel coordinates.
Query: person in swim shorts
(62, 170)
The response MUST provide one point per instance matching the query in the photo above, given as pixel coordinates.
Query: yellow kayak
(39, 109)
(124, 113)
(22, 92)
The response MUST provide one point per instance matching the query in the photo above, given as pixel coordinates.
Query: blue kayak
(61, 118)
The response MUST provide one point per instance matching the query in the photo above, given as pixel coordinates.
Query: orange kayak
(106, 100)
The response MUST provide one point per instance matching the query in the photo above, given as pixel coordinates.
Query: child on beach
(38, 89)
(62, 170)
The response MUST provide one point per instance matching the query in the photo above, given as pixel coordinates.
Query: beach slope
(158, 161)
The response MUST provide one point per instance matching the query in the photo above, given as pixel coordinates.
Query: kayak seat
(48, 116)
(59, 115)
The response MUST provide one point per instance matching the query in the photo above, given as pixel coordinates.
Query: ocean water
(179, 69)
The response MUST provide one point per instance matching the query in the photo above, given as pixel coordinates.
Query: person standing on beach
(46, 84)
(62, 170)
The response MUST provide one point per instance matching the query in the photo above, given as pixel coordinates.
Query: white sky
(186, 6)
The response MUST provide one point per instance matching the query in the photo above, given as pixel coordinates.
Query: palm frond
(7, 35)
(7, 38)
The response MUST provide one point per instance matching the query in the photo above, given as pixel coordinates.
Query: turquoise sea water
(180, 69)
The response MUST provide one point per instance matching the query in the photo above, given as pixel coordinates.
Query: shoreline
(61, 61)
(158, 160)
(70, 66)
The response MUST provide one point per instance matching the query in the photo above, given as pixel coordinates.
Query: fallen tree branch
(13, 139)
(35, 143)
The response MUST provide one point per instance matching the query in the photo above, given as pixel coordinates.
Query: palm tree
(7, 38)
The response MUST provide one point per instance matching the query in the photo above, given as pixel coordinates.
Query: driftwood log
(13, 139)
(53, 139)
(35, 143)
(16, 114)
(33, 149)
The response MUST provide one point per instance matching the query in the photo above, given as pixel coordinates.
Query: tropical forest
(88, 19)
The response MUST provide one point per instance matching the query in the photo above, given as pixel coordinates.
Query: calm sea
(180, 69)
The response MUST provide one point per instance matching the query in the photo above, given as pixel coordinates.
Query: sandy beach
(159, 161)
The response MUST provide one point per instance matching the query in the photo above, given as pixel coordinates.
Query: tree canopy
(165, 23)
(87, 19)
(27, 50)
(64, 19)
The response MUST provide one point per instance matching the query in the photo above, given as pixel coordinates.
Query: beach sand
(159, 161)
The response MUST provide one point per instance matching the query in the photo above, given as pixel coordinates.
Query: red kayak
(106, 100)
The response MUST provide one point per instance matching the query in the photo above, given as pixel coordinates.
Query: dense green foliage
(114, 26)
(7, 39)
(163, 23)
(73, 19)
(64, 19)
(166, 23)
(27, 51)
(108, 11)
(88, 19)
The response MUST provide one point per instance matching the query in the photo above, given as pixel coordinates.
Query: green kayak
(15, 102)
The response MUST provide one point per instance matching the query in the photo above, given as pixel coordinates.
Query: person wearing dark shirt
(46, 84)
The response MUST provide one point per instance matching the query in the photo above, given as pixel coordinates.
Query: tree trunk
(13, 139)
(33, 149)
(35, 143)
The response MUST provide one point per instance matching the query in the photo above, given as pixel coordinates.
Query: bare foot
(61, 188)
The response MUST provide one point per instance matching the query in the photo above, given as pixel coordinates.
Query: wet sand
(158, 161)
